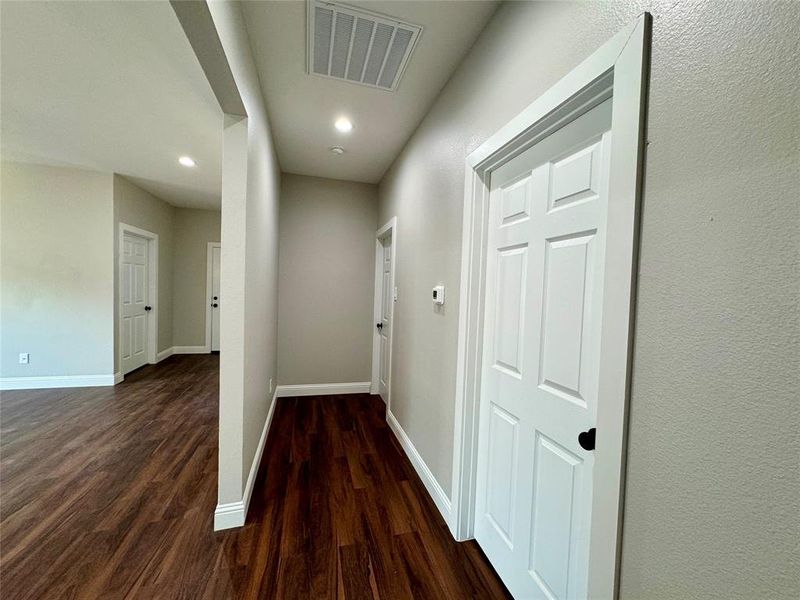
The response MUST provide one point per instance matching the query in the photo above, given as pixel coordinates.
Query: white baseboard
(323, 389)
(234, 514)
(166, 353)
(118, 377)
(436, 492)
(56, 381)
(190, 350)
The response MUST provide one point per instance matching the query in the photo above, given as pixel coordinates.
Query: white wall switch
(438, 295)
(24, 358)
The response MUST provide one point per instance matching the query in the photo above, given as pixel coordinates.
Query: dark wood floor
(109, 493)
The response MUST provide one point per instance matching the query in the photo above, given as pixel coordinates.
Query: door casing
(620, 69)
(388, 228)
(152, 288)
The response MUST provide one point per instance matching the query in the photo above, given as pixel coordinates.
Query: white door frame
(389, 227)
(619, 69)
(152, 289)
(209, 276)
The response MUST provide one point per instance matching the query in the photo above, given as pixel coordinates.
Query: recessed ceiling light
(187, 161)
(338, 150)
(343, 124)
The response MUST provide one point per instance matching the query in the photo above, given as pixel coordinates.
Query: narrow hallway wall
(326, 281)
(249, 319)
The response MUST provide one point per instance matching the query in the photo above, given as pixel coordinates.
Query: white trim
(56, 381)
(209, 249)
(389, 227)
(152, 269)
(625, 59)
(166, 353)
(230, 515)
(190, 350)
(118, 377)
(323, 389)
(234, 514)
(435, 490)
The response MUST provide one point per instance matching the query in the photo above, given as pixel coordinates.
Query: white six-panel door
(385, 324)
(134, 284)
(540, 361)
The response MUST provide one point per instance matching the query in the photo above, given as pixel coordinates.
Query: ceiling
(303, 107)
(111, 86)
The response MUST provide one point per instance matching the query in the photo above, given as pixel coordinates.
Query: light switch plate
(24, 358)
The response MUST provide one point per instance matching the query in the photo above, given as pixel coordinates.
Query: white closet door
(545, 268)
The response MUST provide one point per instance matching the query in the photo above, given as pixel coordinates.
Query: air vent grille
(358, 46)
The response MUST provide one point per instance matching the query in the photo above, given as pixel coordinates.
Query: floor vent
(358, 46)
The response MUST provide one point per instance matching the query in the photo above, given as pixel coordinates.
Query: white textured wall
(711, 505)
(250, 194)
(56, 271)
(326, 281)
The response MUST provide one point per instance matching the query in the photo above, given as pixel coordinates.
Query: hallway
(109, 492)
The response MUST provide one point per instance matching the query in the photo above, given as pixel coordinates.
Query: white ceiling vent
(358, 46)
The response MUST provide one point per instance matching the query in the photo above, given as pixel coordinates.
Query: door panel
(510, 303)
(556, 495)
(134, 291)
(567, 262)
(501, 489)
(544, 268)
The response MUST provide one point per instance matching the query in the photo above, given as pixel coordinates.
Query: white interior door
(215, 297)
(384, 323)
(545, 267)
(134, 282)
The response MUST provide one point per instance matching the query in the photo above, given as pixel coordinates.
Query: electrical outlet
(24, 358)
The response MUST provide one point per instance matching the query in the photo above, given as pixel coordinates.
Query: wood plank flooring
(110, 493)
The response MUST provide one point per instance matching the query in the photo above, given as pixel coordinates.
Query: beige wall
(56, 290)
(711, 504)
(192, 232)
(250, 192)
(137, 207)
(327, 272)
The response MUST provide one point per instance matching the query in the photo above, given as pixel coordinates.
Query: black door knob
(587, 438)
(148, 308)
(379, 325)
(215, 305)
